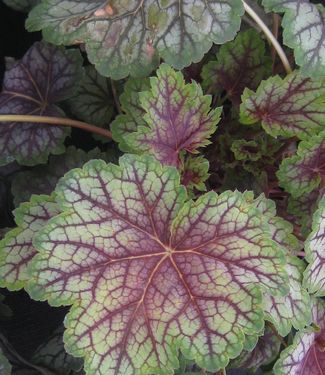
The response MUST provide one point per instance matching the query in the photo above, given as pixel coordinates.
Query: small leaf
(53, 356)
(306, 356)
(314, 276)
(194, 172)
(289, 107)
(42, 179)
(304, 31)
(265, 351)
(93, 101)
(21, 5)
(246, 150)
(305, 171)
(33, 86)
(148, 273)
(130, 36)
(239, 64)
(178, 117)
(5, 366)
(131, 106)
(17, 249)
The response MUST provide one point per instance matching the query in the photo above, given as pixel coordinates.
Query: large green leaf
(304, 30)
(149, 273)
(129, 36)
(293, 106)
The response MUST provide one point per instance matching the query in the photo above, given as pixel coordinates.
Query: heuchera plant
(188, 235)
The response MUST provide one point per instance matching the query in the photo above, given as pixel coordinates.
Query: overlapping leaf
(16, 249)
(265, 351)
(240, 64)
(304, 30)
(306, 356)
(289, 107)
(194, 172)
(44, 76)
(178, 117)
(148, 273)
(129, 36)
(42, 179)
(21, 5)
(305, 171)
(53, 356)
(314, 277)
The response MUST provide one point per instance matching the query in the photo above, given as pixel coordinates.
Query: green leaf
(305, 171)
(239, 64)
(5, 366)
(289, 107)
(148, 273)
(194, 172)
(21, 5)
(17, 249)
(306, 355)
(43, 178)
(53, 356)
(304, 31)
(178, 118)
(314, 276)
(33, 86)
(130, 36)
(246, 150)
(133, 112)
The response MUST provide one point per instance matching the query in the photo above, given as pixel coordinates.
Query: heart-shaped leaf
(129, 36)
(304, 30)
(43, 77)
(306, 356)
(314, 277)
(289, 107)
(148, 273)
(16, 248)
(305, 171)
(178, 118)
(239, 64)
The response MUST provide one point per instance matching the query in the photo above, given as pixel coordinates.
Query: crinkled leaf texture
(16, 248)
(44, 76)
(305, 171)
(5, 366)
(314, 277)
(129, 36)
(293, 106)
(149, 273)
(240, 63)
(42, 179)
(304, 30)
(178, 118)
(306, 356)
(53, 356)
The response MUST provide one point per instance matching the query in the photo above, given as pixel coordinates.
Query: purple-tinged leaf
(43, 77)
(42, 179)
(304, 31)
(265, 351)
(314, 276)
(194, 172)
(16, 248)
(148, 273)
(240, 63)
(305, 171)
(129, 36)
(178, 118)
(306, 356)
(293, 106)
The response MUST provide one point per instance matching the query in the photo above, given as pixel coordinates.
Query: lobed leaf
(149, 273)
(42, 179)
(130, 36)
(306, 355)
(194, 173)
(239, 64)
(314, 276)
(289, 107)
(305, 171)
(16, 248)
(304, 31)
(178, 118)
(44, 76)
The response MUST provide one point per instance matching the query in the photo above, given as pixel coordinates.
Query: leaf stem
(57, 121)
(270, 36)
